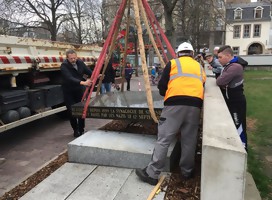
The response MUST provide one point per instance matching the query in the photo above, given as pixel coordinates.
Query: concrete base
(116, 149)
(251, 191)
(78, 181)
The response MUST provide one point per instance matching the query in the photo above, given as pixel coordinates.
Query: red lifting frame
(88, 92)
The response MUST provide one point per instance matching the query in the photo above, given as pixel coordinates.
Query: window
(235, 50)
(236, 31)
(258, 12)
(246, 31)
(257, 30)
(238, 13)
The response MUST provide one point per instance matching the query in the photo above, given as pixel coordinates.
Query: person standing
(182, 85)
(231, 83)
(128, 74)
(73, 85)
(153, 75)
(215, 65)
(109, 79)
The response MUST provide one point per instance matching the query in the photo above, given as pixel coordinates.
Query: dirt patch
(175, 188)
(149, 128)
(251, 124)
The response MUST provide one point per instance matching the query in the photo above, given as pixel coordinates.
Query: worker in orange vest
(182, 85)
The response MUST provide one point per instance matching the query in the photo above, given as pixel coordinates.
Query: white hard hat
(185, 46)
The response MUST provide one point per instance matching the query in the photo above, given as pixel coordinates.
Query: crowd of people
(182, 85)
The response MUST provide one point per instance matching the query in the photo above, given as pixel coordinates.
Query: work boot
(186, 176)
(81, 132)
(141, 173)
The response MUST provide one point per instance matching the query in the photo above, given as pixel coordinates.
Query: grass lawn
(258, 90)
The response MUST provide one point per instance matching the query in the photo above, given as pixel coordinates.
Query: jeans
(105, 87)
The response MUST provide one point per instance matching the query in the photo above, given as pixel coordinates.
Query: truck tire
(24, 112)
(10, 116)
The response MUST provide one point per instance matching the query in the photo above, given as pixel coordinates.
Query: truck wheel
(10, 116)
(24, 112)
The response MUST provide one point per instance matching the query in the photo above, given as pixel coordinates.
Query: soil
(174, 186)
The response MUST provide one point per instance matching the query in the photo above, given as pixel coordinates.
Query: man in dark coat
(73, 85)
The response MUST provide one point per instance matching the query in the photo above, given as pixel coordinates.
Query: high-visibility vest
(186, 78)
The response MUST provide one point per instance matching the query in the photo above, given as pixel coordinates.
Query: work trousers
(238, 113)
(176, 119)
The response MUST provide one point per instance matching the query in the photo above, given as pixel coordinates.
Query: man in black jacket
(72, 71)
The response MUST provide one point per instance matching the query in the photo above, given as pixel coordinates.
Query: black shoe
(81, 132)
(77, 134)
(141, 173)
(185, 176)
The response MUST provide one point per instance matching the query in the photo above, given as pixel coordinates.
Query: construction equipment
(30, 78)
(140, 6)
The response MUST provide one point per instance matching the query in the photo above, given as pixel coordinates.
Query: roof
(248, 11)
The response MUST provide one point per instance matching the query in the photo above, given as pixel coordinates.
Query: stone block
(115, 149)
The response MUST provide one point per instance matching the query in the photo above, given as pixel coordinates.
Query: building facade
(249, 28)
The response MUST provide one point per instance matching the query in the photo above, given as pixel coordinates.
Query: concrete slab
(103, 183)
(137, 190)
(61, 183)
(224, 159)
(115, 149)
(79, 181)
(251, 191)
(134, 189)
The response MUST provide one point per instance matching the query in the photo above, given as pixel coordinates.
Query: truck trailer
(30, 77)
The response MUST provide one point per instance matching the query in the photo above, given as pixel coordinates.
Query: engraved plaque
(131, 105)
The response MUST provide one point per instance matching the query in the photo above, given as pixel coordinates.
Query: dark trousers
(128, 84)
(238, 113)
(71, 98)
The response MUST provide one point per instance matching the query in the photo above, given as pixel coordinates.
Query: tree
(193, 22)
(95, 16)
(34, 13)
(169, 6)
(84, 21)
(75, 14)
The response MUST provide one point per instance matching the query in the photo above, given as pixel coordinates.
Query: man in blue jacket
(73, 85)
(231, 83)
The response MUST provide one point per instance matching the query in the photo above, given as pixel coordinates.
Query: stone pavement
(91, 182)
